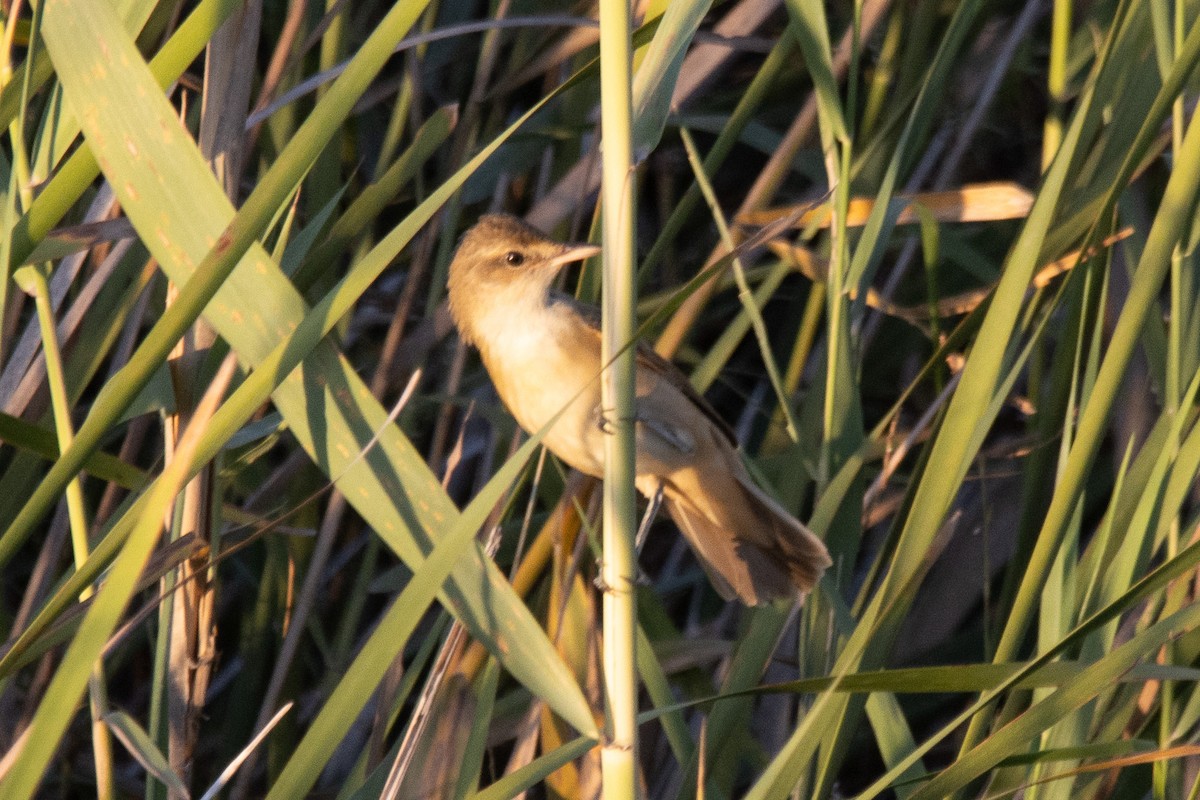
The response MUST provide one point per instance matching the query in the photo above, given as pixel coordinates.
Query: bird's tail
(751, 547)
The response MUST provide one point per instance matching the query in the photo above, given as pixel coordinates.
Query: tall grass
(266, 531)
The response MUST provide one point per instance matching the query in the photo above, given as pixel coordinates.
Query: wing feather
(658, 366)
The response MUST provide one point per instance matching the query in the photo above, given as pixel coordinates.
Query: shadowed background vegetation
(265, 529)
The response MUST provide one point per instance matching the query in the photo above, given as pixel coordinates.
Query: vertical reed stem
(619, 755)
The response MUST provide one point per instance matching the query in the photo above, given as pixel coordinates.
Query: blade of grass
(391, 635)
(1169, 225)
(74, 672)
(1016, 736)
(391, 487)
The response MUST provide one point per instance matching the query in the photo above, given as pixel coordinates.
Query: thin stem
(1056, 80)
(745, 295)
(33, 280)
(619, 754)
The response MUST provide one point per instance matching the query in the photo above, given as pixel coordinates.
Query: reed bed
(266, 531)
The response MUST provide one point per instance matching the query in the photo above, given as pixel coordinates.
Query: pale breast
(541, 366)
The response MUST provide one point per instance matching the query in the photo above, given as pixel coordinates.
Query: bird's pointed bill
(574, 252)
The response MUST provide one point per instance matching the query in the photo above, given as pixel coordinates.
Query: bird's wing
(653, 365)
(656, 364)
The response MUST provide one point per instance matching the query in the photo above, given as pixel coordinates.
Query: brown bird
(542, 350)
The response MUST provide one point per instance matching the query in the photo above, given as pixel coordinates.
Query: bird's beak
(572, 253)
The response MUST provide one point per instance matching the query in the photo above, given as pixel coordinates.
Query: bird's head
(501, 260)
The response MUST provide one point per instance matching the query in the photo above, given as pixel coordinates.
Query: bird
(542, 350)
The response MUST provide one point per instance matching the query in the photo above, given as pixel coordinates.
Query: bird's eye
(513, 258)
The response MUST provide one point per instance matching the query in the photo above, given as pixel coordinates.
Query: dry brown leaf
(977, 202)
(816, 269)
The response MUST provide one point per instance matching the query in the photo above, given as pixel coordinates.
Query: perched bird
(542, 350)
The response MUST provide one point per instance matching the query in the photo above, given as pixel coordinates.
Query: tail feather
(806, 555)
(750, 546)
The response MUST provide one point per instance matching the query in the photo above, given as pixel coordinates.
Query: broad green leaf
(1015, 737)
(658, 72)
(391, 635)
(36, 439)
(182, 214)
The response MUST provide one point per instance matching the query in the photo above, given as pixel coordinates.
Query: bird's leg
(643, 531)
(649, 517)
(652, 506)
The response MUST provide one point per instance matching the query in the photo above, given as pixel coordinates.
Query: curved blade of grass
(1016, 736)
(654, 83)
(960, 678)
(257, 388)
(750, 301)
(476, 750)
(536, 771)
(390, 637)
(245, 753)
(1110, 765)
(659, 689)
(1170, 224)
(142, 748)
(893, 735)
(812, 32)
(70, 680)
(182, 213)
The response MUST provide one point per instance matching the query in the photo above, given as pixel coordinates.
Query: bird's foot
(641, 579)
(607, 422)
